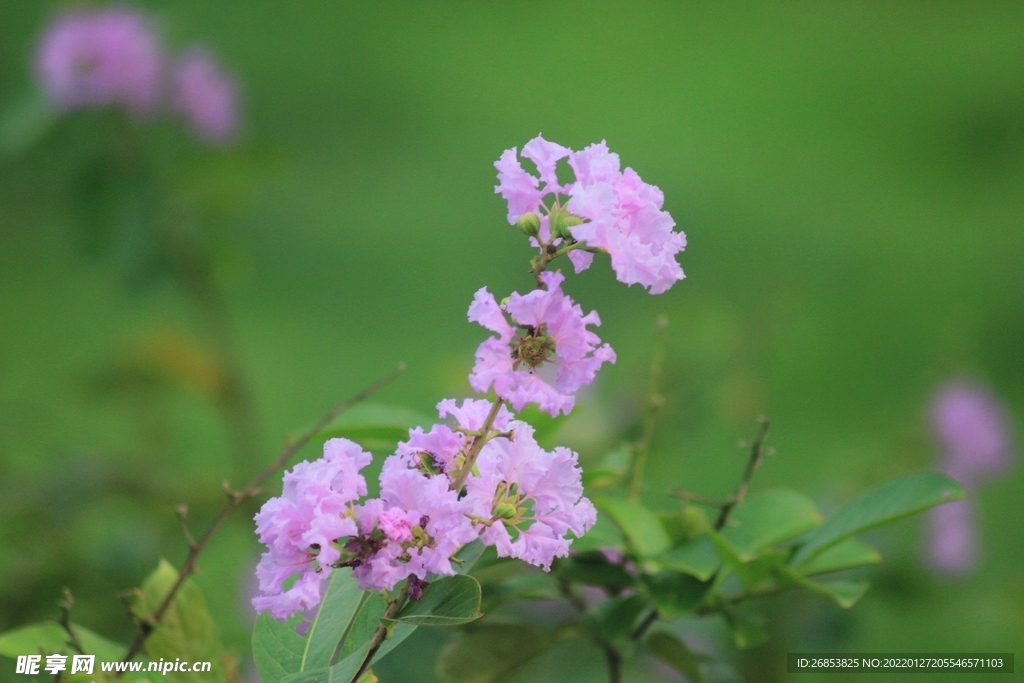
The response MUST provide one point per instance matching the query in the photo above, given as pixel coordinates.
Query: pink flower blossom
(300, 527)
(424, 506)
(622, 215)
(952, 531)
(624, 218)
(206, 96)
(972, 430)
(533, 497)
(554, 331)
(101, 57)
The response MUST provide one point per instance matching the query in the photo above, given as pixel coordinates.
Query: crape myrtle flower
(300, 527)
(205, 96)
(973, 433)
(528, 499)
(439, 450)
(549, 329)
(413, 529)
(608, 209)
(972, 430)
(100, 57)
(952, 542)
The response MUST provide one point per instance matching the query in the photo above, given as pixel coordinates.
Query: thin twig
(65, 605)
(477, 446)
(654, 402)
(757, 453)
(236, 498)
(614, 664)
(645, 623)
(182, 511)
(381, 634)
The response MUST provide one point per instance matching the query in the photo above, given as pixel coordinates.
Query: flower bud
(529, 224)
(561, 220)
(505, 511)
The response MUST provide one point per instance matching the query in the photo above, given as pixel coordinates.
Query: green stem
(756, 456)
(654, 402)
(477, 446)
(381, 634)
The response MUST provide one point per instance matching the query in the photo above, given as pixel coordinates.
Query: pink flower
(300, 527)
(553, 331)
(622, 215)
(973, 431)
(206, 96)
(532, 497)
(424, 506)
(624, 218)
(101, 57)
(952, 547)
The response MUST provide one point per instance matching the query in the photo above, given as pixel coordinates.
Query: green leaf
(613, 619)
(450, 601)
(697, 558)
(887, 502)
(848, 554)
(333, 620)
(755, 573)
(604, 534)
(374, 426)
(187, 630)
(342, 672)
(674, 593)
(748, 629)
(276, 648)
(846, 592)
(593, 569)
(674, 652)
(770, 518)
(489, 653)
(640, 525)
(34, 639)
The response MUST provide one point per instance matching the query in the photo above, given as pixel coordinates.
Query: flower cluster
(103, 57)
(483, 475)
(608, 210)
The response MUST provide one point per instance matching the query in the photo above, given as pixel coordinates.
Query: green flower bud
(561, 220)
(529, 224)
(505, 511)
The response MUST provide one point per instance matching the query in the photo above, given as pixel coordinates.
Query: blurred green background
(850, 177)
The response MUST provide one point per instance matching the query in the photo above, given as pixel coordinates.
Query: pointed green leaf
(276, 648)
(845, 592)
(342, 672)
(187, 630)
(770, 518)
(46, 638)
(640, 525)
(674, 652)
(848, 554)
(333, 620)
(489, 653)
(450, 601)
(374, 426)
(697, 558)
(887, 502)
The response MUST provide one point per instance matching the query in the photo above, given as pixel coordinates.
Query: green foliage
(768, 519)
(186, 631)
(848, 554)
(51, 638)
(885, 503)
(640, 526)
(449, 601)
(489, 653)
(697, 558)
(374, 426)
(674, 652)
